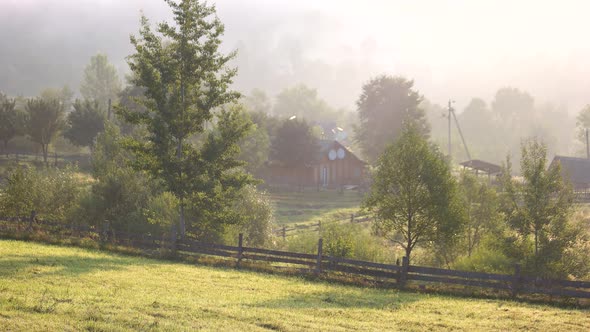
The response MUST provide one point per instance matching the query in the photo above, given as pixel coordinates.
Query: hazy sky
(453, 49)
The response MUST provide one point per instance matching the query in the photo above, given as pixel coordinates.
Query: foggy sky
(452, 49)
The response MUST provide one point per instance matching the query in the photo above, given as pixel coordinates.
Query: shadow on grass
(355, 298)
(70, 265)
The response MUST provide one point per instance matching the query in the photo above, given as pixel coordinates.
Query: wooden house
(333, 166)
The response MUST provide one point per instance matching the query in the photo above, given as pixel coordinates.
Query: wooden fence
(319, 263)
(297, 229)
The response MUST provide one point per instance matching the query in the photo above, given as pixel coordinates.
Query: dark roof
(483, 166)
(576, 169)
(327, 144)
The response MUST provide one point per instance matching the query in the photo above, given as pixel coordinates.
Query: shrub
(52, 193)
(257, 218)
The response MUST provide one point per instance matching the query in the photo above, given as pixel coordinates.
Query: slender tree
(539, 206)
(414, 195)
(10, 120)
(185, 78)
(101, 81)
(45, 118)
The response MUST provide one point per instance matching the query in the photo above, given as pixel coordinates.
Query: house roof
(327, 145)
(483, 166)
(576, 169)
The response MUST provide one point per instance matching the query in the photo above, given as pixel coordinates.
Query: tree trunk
(536, 242)
(408, 251)
(182, 223)
(45, 147)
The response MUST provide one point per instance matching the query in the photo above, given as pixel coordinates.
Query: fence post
(352, 217)
(318, 266)
(104, 232)
(284, 232)
(516, 280)
(319, 226)
(240, 249)
(173, 238)
(403, 273)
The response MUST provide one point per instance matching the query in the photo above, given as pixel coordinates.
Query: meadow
(310, 206)
(44, 287)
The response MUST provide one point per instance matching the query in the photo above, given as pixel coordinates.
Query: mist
(458, 50)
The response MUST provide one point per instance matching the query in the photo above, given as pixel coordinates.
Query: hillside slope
(57, 288)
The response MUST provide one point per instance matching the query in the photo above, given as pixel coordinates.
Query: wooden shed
(575, 170)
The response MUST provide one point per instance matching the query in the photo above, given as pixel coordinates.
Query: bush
(344, 240)
(485, 260)
(257, 218)
(52, 193)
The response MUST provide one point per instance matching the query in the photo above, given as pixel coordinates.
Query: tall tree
(84, 123)
(64, 95)
(539, 206)
(511, 104)
(294, 144)
(100, 81)
(414, 196)
(304, 103)
(45, 118)
(11, 120)
(185, 78)
(385, 103)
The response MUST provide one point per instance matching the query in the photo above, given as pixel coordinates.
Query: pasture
(44, 287)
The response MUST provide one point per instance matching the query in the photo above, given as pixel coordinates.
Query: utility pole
(449, 116)
(587, 145)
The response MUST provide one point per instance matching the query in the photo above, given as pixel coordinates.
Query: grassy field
(312, 206)
(58, 288)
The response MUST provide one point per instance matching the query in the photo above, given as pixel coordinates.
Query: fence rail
(316, 263)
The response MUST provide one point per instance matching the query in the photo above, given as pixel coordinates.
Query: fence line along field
(514, 285)
(55, 288)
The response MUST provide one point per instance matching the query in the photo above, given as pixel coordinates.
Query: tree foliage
(304, 103)
(255, 147)
(45, 118)
(84, 123)
(100, 82)
(414, 195)
(540, 208)
(386, 102)
(11, 120)
(185, 78)
(294, 143)
(51, 193)
(483, 211)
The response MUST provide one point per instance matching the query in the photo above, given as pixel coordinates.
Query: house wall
(347, 171)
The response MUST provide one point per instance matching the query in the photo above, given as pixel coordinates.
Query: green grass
(311, 206)
(45, 287)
